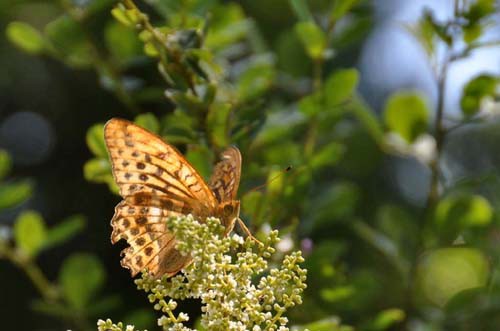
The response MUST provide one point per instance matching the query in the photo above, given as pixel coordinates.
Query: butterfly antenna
(284, 171)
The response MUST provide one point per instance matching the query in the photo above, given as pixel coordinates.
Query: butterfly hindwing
(226, 175)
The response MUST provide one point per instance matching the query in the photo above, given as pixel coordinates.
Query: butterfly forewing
(156, 182)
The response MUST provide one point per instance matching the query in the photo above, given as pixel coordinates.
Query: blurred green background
(386, 111)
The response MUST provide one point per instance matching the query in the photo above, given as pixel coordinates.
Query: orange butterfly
(157, 182)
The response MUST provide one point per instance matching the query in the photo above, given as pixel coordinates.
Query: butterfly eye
(228, 209)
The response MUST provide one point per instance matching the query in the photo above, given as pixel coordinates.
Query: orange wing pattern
(156, 182)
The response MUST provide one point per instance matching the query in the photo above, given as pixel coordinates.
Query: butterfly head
(228, 213)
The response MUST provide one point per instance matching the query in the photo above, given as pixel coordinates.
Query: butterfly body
(157, 182)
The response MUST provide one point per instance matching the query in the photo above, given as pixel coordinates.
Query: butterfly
(157, 182)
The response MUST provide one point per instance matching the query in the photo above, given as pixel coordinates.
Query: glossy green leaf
(25, 37)
(148, 121)
(478, 88)
(64, 230)
(218, 124)
(122, 42)
(12, 194)
(407, 114)
(445, 272)
(341, 7)
(5, 164)
(313, 39)
(81, 276)
(95, 140)
(30, 232)
(68, 39)
(341, 86)
(328, 155)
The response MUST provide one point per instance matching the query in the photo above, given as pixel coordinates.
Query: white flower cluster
(231, 276)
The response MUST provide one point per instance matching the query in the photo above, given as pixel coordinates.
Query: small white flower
(285, 245)
(424, 148)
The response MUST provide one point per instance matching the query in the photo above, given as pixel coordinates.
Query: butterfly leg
(247, 231)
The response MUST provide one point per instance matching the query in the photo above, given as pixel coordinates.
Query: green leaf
(90, 7)
(313, 39)
(472, 32)
(425, 33)
(344, 196)
(341, 7)
(445, 272)
(387, 318)
(301, 9)
(199, 157)
(458, 212)
(5, 164)
(256, 79)
(69, 41)
(25, 37)
(340, 86)
(330, 324)
(337, 293)
(178, 128)
(227, 26)
(63, 231)
(407, 114)
(440, 29)
(479, 9)
(12, 194)
(120, 14)
(478, 88)
(254, 206)
(97, 170)
(328, 155)
(218, 123)
(148, 121)
(81, 276)
(382, 243)
(122, 42)
(95, 140)
(30, 232)
(312, 104)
